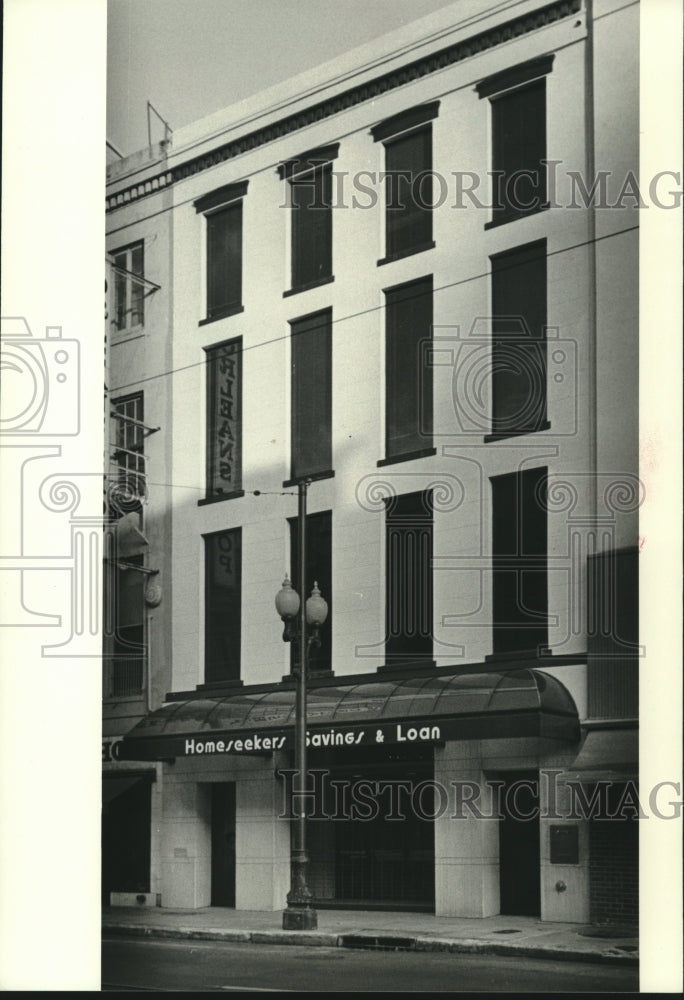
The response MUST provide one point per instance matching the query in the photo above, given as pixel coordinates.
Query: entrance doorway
(519, 858)
(374, 851)
(126, 813)
(223, 843)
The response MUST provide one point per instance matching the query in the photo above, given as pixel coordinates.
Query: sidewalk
(388, 930)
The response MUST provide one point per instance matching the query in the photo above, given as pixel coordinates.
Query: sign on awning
(418, 710)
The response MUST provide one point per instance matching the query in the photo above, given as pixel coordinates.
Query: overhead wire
(364, 312)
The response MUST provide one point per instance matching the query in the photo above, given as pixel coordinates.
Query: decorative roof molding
(449, 56)
(515, 76)
(221, 196)
(404, 121)
(308, 161)
(137, 191)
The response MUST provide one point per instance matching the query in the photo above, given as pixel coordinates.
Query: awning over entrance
(608, 753)
(418, 709)
(114, 785)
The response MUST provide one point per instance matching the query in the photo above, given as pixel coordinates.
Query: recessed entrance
(223, 843)
(519, 879)
(375, 850)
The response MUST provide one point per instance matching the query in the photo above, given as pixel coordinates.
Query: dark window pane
(223, 571)
(128, 651)
(519, 340)
(311, 226)
(312, 394)
(408, 372)
(408, 193)
(318, 570)
(224, 418)
(409, 536)
(224, 260)
(519, 544)
(129, 294)
(519, 144)
(120, 286)
(137, 287)
(613, 634)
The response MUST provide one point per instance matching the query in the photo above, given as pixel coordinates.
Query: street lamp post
(299, 914)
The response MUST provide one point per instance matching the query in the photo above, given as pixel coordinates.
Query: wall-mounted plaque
(564, 843)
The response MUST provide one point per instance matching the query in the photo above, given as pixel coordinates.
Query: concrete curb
(376, 942)
(315, 938)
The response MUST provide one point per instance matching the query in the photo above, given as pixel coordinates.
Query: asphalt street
(133, 964)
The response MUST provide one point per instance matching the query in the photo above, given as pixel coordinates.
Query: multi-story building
(409, 279)
(138, 504)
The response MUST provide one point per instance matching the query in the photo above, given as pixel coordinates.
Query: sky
(193, 57)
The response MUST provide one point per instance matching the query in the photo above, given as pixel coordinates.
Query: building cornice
(350, 98)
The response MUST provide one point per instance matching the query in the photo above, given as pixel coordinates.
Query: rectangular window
(311, 345)
(613, 634)
(311, 227)
(223, 211)
(519, 389)
(318, 570)
(407, 138)
(222, 596)
(224, 420)
(128, 453)
(408, 372)
(310, 197)
(518, 103)
(124, 627)
(409, 539)
(224, 261)
(519, 561)
(128, 266)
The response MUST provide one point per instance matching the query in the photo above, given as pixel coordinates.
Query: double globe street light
(303, 621)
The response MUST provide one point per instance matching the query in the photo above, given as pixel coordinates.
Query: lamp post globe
(316, 608)
(287, 600)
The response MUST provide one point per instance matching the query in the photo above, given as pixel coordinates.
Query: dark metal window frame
(508, 620)
(409, 584)
(125, 650)
(127, 282)
(509, 350)
(500, 88)
(129, 446)
(223, 200)
(319, 370)
(413, 123)
(218, 612)
(311, 170)
(395, 388)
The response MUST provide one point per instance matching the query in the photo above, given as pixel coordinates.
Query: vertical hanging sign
(224, 419)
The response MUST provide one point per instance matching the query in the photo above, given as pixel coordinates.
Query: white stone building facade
(450, 357)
